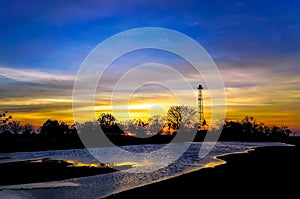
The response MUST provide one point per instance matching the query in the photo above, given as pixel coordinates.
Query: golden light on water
(101, 165)
(213, 164)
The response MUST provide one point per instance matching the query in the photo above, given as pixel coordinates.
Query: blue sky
(56, 34)
(255, 44)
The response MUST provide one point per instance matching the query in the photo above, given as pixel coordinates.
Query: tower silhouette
(202, 121)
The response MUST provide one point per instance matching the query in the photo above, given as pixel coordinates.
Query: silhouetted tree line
(58, 135)
(249, 129)
(51, 135)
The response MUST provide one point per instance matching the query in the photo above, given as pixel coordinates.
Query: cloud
(33, 76)
(34, 95)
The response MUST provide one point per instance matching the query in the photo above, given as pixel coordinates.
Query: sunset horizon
(117, 99)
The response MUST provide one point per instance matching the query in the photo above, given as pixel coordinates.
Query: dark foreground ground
(268, 171)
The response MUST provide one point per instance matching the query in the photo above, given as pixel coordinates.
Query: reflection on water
(73, 163)
(213, 164)
(105, 184)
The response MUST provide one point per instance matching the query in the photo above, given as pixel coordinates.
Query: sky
(255, 45)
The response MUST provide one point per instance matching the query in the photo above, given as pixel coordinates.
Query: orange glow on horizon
(271, 108)
(262, 114)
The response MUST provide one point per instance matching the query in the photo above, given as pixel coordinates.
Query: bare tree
(131, 127)
(4, 120)
(27, 129)
(15, 126)
(156, 124)
(106, 120)
(181, 115)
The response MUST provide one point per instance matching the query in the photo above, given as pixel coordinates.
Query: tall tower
(200, 108)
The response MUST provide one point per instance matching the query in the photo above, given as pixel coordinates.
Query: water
(145, 170)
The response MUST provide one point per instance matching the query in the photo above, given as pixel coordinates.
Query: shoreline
(46, 170)
(260, 170)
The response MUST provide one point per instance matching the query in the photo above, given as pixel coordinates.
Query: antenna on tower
(202, 121)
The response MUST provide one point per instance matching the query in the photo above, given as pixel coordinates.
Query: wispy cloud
(33, 76)
(35, 95)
